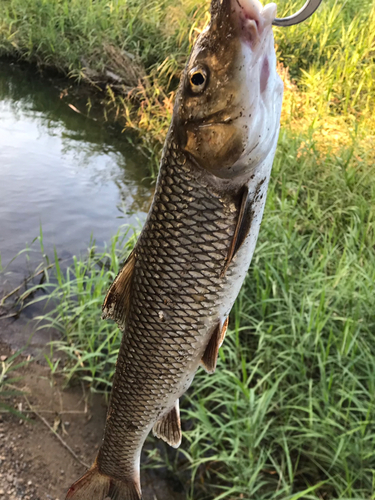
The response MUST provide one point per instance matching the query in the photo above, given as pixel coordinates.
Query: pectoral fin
(116, 303)
(210, 355)
(168, 427)
(242, 229)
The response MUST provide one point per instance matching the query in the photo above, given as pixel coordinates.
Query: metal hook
(307, 10)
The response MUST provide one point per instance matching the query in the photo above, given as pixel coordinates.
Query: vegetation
(133, 56)
(8, 391)
(74, 297)
(290, 411)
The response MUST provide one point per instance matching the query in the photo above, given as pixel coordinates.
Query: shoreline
(34, 463)
(294, 381)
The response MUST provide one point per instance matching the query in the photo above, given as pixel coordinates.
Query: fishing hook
(307, 10)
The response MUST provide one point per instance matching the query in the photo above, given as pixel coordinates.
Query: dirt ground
(34, 463)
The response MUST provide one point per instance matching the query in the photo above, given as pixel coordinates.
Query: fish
(175, 291)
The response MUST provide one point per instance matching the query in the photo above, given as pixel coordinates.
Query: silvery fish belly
(175, 291)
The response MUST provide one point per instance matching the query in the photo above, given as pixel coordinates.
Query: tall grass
(73, 297)
(79, 37)
(290, 410)
(331, 57)
(8, 382)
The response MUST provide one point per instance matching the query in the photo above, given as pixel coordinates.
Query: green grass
(290, 412)
(291, 405)
(331, 57)
(74, 296)
(8, 383)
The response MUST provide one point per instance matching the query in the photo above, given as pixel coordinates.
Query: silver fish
(175, 291)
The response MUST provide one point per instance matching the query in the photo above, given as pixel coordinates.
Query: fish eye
(197, 79)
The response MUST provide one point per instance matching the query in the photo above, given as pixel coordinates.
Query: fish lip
(227, 121)
(253, 9)
(254, 19)
(210, 119)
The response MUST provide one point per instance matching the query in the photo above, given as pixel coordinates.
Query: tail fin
(96, 486)
(124, 491)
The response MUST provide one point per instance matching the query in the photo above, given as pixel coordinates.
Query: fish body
(176, 289)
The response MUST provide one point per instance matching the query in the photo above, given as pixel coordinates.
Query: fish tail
(97, 486)
(92, 485)
(124, 491)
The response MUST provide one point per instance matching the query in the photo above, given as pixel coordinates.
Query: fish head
(227, 109)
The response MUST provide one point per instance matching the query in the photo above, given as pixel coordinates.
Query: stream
(71, 176)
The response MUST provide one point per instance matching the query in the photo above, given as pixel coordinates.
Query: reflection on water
(68, 173)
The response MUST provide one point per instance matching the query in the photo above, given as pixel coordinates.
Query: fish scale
(174, 296)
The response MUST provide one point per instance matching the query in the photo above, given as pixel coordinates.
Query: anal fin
(117, 300)
(210, 355)
(168, 427)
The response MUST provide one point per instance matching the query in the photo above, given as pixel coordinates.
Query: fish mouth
(250, 14)
(253, 18)
(223, 117)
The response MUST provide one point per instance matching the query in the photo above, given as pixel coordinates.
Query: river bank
(290, 410)
(44, 452)
(132, 58)
(296, 369)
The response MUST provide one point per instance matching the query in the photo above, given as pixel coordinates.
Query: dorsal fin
(116, 302)
(168, 427)
(209, 358)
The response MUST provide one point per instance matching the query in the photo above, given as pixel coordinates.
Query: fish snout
(253, 18)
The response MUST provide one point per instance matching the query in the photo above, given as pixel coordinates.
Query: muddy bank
(34, 463)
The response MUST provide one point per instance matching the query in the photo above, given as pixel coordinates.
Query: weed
(289, 412)
(74, 296)
(7, 381)
(134, 57)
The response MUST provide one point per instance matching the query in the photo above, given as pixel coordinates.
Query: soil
(34, 463)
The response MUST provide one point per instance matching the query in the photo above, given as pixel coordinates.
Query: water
(71, 175)
(59, 170)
